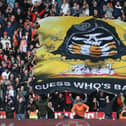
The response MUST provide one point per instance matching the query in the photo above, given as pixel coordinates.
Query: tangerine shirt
(80, 109)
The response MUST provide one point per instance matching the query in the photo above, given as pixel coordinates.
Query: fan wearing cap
(79, 109)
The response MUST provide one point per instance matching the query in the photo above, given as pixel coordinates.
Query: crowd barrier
(89, 115)
(60, 122)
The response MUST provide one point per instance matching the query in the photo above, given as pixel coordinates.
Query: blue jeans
(20, 116)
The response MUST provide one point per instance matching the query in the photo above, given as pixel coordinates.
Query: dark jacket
(20, 108)
(109, 107)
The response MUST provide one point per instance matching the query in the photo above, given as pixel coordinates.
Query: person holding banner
(79, 109)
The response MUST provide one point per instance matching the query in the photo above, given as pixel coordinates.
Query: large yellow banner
(81, 54)
(81, 47)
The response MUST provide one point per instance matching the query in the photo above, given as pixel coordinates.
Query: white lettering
(88, 85)
(117, 87)
(78, 85)
(97, 85)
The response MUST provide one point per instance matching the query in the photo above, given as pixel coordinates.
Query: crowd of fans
(18, 43)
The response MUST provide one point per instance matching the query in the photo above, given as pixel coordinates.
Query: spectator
(108, 11)
(78, 98)
(42, 107)
(79, 109)
(5, 39)
(102, 101)
(94, 105)
(118, 10)
(10, 108)
(64, 7)
(20, 108)
(109, 107)
(50, 111)
(60, 103)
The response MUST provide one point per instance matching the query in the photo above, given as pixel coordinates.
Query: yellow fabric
(52, 32)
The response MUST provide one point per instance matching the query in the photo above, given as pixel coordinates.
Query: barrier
(89, 115)
(61, 122)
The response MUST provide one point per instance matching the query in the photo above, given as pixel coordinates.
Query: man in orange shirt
(79, 109)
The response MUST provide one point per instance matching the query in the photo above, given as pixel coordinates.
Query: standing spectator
(5, 39)
(20, 108)
(10, 29)
(79, 109)
(64, 7)
(94, 107)
(109, 107)
(60, 103)
(50, 111)
(10, 108)
(108, 10)
(102, 101)
(117, 10)
(23, 45)
(42, 107)
(74, 101)
(68, 100)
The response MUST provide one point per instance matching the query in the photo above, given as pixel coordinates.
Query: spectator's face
(79, 103)
(1, 4)
(22, 62)
(26, 72)
(12, 76)
(78, 6)
(18, 11)
(12, 18)
(16, 5)
(20, 99)
(36, 13)
(77, 97)
(5, 36)
(101, 93)
(4, 64)
(108, 4)
(22, 88)
(95, 3)
(64, 1)
(17, 79)
(9, 24)
(95, 12)
(118, 3)
(20, 21)
(107, 100)
(60, 95)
